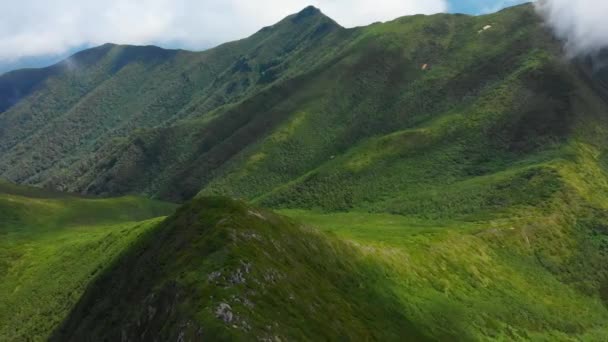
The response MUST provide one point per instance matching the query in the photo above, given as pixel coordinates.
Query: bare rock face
(224, 312)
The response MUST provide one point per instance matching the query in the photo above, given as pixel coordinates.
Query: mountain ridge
(53, 177)
(188, 87)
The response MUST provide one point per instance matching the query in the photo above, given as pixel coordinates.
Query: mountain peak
(307, 12)
(309, 16)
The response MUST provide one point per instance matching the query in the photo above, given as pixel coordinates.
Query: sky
(477, 7)
(36, 32)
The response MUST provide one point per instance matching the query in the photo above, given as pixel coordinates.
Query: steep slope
(459, 119)
(52, 245)
(331, 118)
(477, 111)
(53, 118)
(220, 270)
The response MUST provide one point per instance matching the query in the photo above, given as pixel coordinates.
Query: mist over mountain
(581, 24)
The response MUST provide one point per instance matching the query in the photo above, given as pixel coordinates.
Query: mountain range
(437, 177)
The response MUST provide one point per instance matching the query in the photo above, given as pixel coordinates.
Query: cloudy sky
(38, 28)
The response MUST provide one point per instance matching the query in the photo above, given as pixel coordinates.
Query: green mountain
(59, 122)
(443, 181)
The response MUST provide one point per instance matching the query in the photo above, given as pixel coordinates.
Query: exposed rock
(237, 277)
(249, 235)
(272, 276)
(213, 276)
(257, 214)
(224, 312)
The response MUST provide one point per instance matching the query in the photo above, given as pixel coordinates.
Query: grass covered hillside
(221, 270)
(78, 269)
(52, 245)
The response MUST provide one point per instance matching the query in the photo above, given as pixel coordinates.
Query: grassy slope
(501, 145)
(370, 276)
(280, 280)
(537, 277)
(52, 245)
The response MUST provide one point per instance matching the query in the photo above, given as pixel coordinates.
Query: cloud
(581, 23)
(42, 27)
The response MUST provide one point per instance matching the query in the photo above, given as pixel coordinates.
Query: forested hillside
(59, 122)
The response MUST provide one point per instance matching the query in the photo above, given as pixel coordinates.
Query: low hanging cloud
(580, 23)
(42, 27)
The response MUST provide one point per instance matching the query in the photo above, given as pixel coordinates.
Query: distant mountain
(34, 62)
(455, 169)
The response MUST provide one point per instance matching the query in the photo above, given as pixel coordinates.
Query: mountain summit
(309, 11)
(308, 17)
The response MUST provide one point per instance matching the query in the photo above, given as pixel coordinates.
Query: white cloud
(581, 23)
(42, 27)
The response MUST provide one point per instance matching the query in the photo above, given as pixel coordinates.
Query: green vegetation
(501, 279)
(465, 201)
(221, 270)
(249, 117)
(52, 245)
(56, 123)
